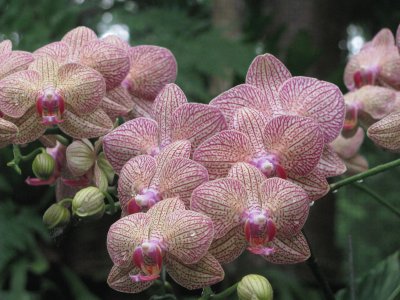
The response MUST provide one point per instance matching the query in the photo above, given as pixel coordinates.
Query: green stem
(206, 294)
(53, 130)
(373, 171)
(62, 139)
(31, 155)
(224, 294)
(65, 202)
(378, 198)
(18, 157)
(112, 206)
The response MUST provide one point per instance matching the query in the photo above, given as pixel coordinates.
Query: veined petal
(297, 141)
(348, 147)
(152, 68)
(268, 73)
(288, 203)
(223, 200)
(252, 123)
(159, 213)
(76, 39)
(8, 131)
(229, 247)
(80, 157)
(134, 177)
(117, 102)
(385, 133)
(166, 102)
(330, 163)
(196, 122)
(116, 41)
(142, 108)
(205, 272)
(289, 250)
(18, 92)
(91, 125)
(14, 61)
(119, 280)
(30, 127)
(58, 51)
(113, 109)
(221, 151)
(47, 68)
(135, 137)
(82, 87)
(243, 95)
(313, 183)
(319, 100)
(5, 47)
(100, 178)
(124, 235)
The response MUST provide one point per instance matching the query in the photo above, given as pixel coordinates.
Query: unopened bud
(80, 157)
(43, 166)
(106, 167)
(88, 203)
(254, 287)
(56, 216)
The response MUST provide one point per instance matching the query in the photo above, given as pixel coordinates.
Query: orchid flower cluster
(197, 184)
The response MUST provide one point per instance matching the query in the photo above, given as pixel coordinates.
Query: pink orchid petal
(385, 133)
(152, 68)
(180, 176)
(113, 109)
(174, 150)
(14, 61)
(356, 164)
(383, 38)
(390, 73)
(58, 51)
(297, 141)
(135, 137)
(204, 273)
(230, 246)
(289, 250)
(319, 100)
(91, 125)
(81, 87)
(252, 123)
(119, 279)
(289, 204)
(134, 177)
(160, 211)
(47, 68)
(330, 164)
(8, 131)
(5, 47)
(76, 39)
(268, 73)
(18, 93)
(196, 122)
(124, 235)
(223, 200)
(398, 37)
(116, 41)
(348, 147)
(243, 95)
(166, 102)
(221, 151)
(313, 183)
(141, 108)
(117, 102)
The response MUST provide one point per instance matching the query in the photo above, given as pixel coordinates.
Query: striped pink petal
(5, 47)
(119, 280)
(319, 100)
(47, 68)
(117, 103)
(204, 273)
(313, 183)
(390, 73)
(297, 141)
(166, 102)
(174, 150)
(252, 123)
(30, 127)
(159, 213)
(243, 95)
(8, 131)
(196, 122)
(135, 137)
(230, 246)
(58, 51)
(141, 108)
(124, 235)
(223, 200)
(116, 41)
(288, 204)
(221, 151)
(330, 163)
(76, 39)
(14, 61)
(152, 68)
(385, 133)
(18, 92)
(134, 177)
(383, 38)
(91, 125)
(289, 250)
(348, 147)
(268, 73)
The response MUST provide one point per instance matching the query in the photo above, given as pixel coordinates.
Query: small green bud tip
(56, 216)
(88, 203)
(254, 287)
(43, 166)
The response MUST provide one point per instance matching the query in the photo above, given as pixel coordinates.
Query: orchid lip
(144, 200)
(148, 258)
(258, 228)
(269, 165)
(366, 76)
(50, 106)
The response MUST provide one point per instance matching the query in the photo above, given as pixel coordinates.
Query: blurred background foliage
(214, 43)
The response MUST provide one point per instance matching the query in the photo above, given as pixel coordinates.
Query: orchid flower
(8, 132)
(249, 211)
(385, 133)
(173, 119)
(145, 180)
(378, 63)
(168, 236)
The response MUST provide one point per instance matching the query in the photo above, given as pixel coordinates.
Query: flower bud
(106, 167)
(80, 157)
(43, 166)
(254, 287)
(56, 216)
(88, 203)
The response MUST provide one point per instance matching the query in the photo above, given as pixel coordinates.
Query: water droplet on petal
(360, 181)
(334, 191)
(312, 203)
(192, 234)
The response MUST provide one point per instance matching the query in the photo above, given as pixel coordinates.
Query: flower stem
(18, 157)
(378, 198)
(53, 130)
(224, 294)
(373, 171)
(112, 206)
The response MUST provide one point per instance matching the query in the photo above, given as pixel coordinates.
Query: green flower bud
(254, 287)
(88, 203)
(80, 157)
(56, 216)
(43, 166)
(105, 166)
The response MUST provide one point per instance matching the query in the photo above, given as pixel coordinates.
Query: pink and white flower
(385, 133)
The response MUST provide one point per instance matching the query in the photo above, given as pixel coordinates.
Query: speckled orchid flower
(385, 133)
(348, 150)
(173, 119)
(8, 132)
(272, 90)
(378, 63)
(249, 211)
(50, 94)
(145, 180)
(168, 236)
